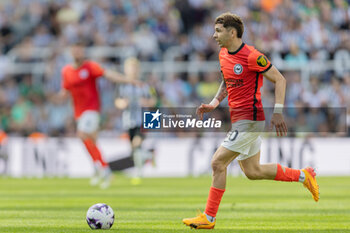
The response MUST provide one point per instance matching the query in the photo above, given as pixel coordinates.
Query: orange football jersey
(242, 71)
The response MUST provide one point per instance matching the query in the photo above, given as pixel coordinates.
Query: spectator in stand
(296, 58)
(314, 97)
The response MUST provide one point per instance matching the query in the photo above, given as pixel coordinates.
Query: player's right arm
(220, 95)
(63, 94)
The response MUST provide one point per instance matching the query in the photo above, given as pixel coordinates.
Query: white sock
(97, 168)
(302, 176)
(138, 161)
(210, 218)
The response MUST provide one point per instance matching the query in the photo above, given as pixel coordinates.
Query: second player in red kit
(79, 80)
(81, 83)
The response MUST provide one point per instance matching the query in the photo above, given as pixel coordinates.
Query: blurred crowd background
(294, 34)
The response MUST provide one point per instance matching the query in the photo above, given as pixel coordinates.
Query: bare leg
(255, 171)
(221, 159)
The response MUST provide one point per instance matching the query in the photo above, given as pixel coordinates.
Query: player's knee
(84, 136)
(217, 166)
(136, 141)
(81, 135)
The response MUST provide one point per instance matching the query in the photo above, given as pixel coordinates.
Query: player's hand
(203, 109)
(277, 120)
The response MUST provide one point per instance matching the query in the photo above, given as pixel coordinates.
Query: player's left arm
(112, 75)
(63, 94)
(277, 119)
(220, 95)
(116, 77)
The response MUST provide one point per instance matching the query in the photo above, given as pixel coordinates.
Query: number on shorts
(233, 135)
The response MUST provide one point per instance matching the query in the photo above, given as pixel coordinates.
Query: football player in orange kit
(79, 80)
(243, 68)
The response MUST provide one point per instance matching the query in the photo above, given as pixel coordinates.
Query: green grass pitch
(159, 204)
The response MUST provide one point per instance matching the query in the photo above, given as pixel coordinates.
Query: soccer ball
(100, 216)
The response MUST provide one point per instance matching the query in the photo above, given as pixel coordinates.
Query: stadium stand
(308, 40)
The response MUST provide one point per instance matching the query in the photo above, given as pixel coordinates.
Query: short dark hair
(79, 42)
(231, 20)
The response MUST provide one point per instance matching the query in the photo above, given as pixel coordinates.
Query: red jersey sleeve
(258, 62)
(95, 69)
(64, 83)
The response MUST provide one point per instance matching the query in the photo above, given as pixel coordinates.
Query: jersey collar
(239, 49)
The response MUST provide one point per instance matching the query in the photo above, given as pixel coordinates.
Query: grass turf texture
(158, 205)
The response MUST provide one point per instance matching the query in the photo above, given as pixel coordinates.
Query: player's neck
(234, 46)
(78, 63)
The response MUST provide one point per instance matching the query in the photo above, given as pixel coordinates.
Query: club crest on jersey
(83, 74)
(238, 69)
(261, 61)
